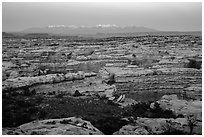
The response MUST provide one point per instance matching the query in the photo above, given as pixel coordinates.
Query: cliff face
(139, 66)
(152, 84)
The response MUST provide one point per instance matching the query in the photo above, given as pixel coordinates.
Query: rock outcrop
(138, 82)
(169, 126)
(181, 107)
(160, 126)
(63, 126)
(11, 84)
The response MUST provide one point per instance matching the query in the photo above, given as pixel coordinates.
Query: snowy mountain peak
(100, 28)
(55, 26)
(106, 25)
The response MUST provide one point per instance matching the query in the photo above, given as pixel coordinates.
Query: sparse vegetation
(194, 64)
(143, 110)
(191, 122)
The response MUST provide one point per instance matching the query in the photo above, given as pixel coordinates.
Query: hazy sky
(161, 16)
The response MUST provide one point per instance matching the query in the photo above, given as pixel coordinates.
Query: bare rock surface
(165, 126)
(63, 126)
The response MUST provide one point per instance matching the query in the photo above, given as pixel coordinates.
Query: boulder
(183, 107)
(106, 75)
(169, 97)
(195, 63)
(77, 94)
(132, 130)
(153, 126)
(68, 76)
(91, 74)
(29, 81)
(127, 102)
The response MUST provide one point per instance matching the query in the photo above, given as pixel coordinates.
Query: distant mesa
(74, 30)
(5, 34)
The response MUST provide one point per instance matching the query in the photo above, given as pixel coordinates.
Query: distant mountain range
(74, 30)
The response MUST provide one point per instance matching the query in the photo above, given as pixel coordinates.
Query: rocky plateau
(122, 85)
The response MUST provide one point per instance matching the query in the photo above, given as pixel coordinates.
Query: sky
(161, 16)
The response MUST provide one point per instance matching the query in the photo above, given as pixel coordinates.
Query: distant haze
(160, 16)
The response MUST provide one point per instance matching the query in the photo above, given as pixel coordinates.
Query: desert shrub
(17, 111)
(59, 95)
(109, 125)
(39, 98)
(173, 132)
(111, 79)
(66, 121)
(199, 42)
(194, 64)
(63, 115)
(34, 133)
(170, 130)
(158, 112)
(140, 109)
(155, 73)
(27, 93)
(33, 92)
(153, 40)
(180, 116)
(42, 114)
(143, 110)
(77, 94)
(51, 122)
(191, 122)
(133, 62)
(172, 58)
